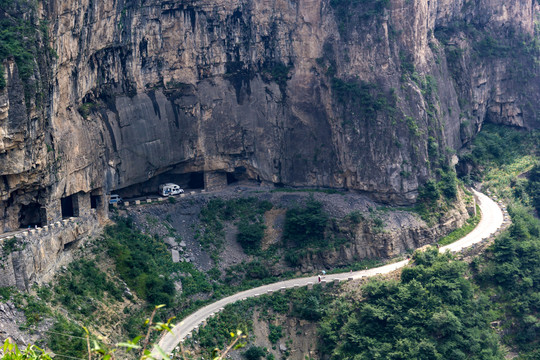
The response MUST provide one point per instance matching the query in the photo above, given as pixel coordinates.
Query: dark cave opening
(31, 215)
(67, 207)
(196, 180)
(231, 178)
(95, 201)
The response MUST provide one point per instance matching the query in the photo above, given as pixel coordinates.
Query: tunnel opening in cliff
(239, 174)
(95, 201)
(32, 215)
(190, 180)
(196, 180)
(68, 209)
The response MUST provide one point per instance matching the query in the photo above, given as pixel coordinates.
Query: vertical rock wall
(372, 97)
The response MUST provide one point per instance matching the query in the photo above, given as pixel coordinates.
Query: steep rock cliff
(372, 95)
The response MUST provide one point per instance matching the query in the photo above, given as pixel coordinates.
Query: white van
(170, 189)
(115, 199)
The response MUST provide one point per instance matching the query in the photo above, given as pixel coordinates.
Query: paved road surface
(492, 219)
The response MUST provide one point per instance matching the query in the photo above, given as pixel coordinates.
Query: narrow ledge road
(492, 220)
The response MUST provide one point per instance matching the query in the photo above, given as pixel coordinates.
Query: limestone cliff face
(371, 97)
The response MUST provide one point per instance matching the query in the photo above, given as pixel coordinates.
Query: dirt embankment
(373, 231)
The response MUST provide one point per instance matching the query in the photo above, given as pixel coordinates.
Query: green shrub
(3, 82)
(429, 192)
(248, 211)
(533, 187)
(305, 226)
(34, 309)
(67, 338)
(86, 108)
(275, 333)
(279, 73)
(510, 269)
(309, 308)
(448, 184)
(257, 270)
(351, 13)
(10, 245)
(294, 258)
(254, 353)
(431, 313)
(250, 236)
(81, 286)
(142, 261)
(6, 292)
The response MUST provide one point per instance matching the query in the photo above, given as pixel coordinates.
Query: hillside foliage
(431, 313)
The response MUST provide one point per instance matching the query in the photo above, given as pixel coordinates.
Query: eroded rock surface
(306, 93)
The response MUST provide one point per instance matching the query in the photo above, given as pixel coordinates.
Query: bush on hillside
(305, 226)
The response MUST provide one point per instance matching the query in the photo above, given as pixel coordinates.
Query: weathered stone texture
(146, 87)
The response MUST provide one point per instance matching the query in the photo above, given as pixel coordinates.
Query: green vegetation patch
(499, 156)
(10, 245)
(142, 261)
(246, 213)
(86, 109)
(351, 13)
(431, 313)
(278, 72)
(367, 99)
(67, 339)
(20, 36)
(533, 187)
(82, 286)
(275, 332)
(302, 303)
(506, 159)
(510, 272)
(469, 226)
(436, 197)
(34, 309)
(255, 353)
(305, 226)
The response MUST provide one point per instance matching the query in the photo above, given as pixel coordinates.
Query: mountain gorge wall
(372, 96)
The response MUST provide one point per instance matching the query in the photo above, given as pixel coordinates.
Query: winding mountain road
(492, 219)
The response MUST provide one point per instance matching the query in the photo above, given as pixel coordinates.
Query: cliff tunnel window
(231, 178)
(31, 215)
(196, 180)
(239, 174)
(67, 206)
(95, 201)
